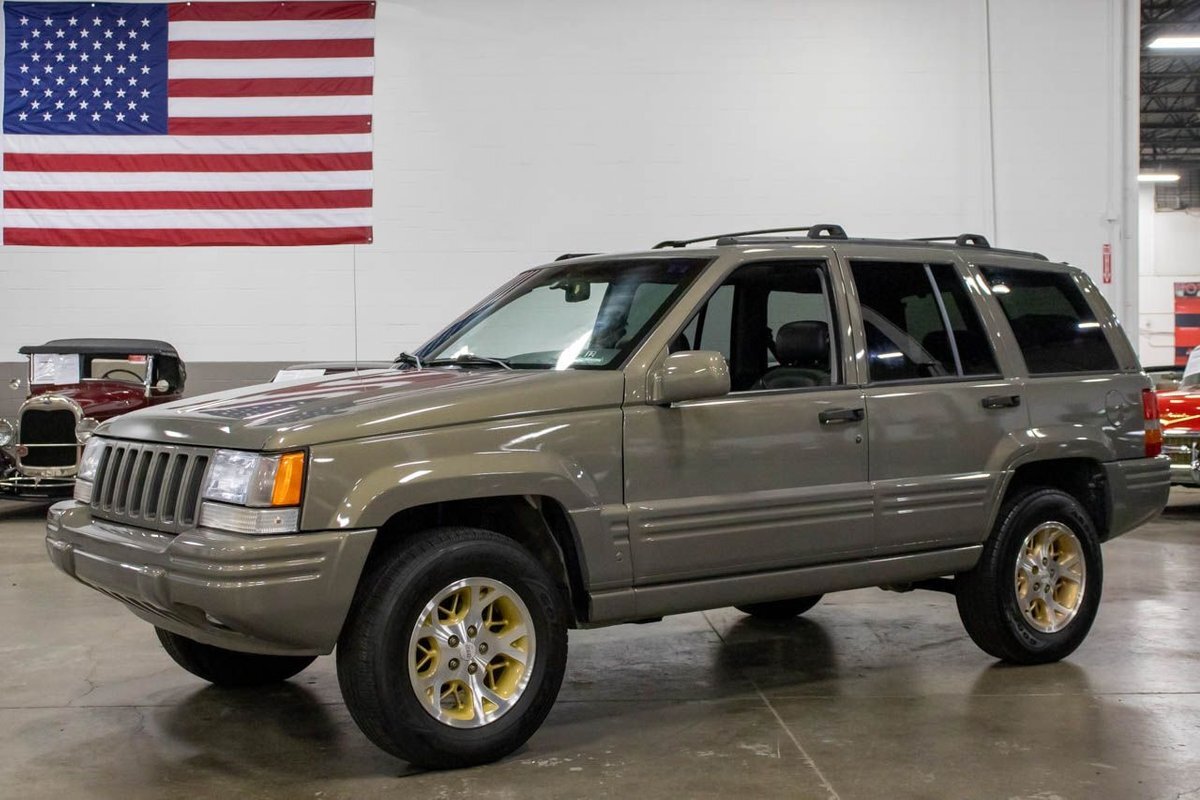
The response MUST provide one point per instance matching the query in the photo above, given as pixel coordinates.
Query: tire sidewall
(404, 715)
(1050, 506)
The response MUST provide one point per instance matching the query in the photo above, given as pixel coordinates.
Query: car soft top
(149, 347)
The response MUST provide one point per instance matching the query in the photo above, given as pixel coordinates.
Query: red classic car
(1179, 411)
(74, 385)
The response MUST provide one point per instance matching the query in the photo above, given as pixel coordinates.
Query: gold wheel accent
(471, 652)
(1050, 577)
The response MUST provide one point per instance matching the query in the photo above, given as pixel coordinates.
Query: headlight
(84, 429)
(255, 479)
(7, 433)
(89, 462)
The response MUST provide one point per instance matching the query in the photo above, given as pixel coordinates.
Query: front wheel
(229, 668)
(455, 648)
(1033, 595)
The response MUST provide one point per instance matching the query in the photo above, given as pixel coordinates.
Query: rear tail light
(1154, 437)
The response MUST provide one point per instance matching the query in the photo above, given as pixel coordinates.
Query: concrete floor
(872, 695)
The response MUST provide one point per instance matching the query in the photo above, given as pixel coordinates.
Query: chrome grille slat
(150, 502)
(139, 484)
(150, 485)
(121, 492)
(114, 469)
(166, 502)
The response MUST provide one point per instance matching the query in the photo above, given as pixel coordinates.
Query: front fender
(377, 496)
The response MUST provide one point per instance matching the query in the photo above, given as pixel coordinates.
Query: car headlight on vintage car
(253, 492)
(85, 428)
(89, 463)
(7, 433)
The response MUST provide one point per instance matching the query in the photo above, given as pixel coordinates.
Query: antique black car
(74, 385)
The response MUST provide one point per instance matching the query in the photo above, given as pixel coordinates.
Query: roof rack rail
(565, 256)
(962, 240)
(821, 231)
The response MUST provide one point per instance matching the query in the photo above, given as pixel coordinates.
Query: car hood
(1179, 411)
(357, 405)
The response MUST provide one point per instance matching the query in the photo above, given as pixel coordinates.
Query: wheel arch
(539, 523)
(1080, 477)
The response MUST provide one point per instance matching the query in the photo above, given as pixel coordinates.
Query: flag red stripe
(159, 237)
(268, 87)
(269, 11)
(284, 48)
(263, 126)
(222, 201)
(175, 162)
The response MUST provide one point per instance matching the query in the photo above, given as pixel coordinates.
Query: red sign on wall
(1106, 260)
(1187, 320)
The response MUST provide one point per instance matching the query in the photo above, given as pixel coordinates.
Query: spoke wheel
(1050, 577)
(471, 652)
(454, 648)
(1033, 595)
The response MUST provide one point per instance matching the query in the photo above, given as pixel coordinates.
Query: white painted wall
(509, 132)
(1170, 252)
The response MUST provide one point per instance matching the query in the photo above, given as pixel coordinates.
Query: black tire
(780, 610)
(987, 595)
(229, 667)
(373, 651)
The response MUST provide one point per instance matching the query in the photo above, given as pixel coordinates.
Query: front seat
(803, 352)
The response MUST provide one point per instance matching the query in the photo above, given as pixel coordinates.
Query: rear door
(941, 412)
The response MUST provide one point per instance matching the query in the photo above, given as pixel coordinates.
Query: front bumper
(1184, 451)
(278, 595)
(1137, 491)
(23, 487)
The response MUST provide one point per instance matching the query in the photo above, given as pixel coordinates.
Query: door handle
(1001, 401)
(838, 415)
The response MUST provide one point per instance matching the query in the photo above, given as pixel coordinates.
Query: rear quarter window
(1052, 322)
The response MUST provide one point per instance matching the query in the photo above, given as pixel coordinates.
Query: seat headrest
(804, 342)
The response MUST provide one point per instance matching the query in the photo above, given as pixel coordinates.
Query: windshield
(573, 316)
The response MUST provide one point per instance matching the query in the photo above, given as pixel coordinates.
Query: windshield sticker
(594, 357)
(54, 369)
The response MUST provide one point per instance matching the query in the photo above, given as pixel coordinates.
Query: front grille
(50, 436)
(149, 485)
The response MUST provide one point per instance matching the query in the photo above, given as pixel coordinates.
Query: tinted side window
(772, 322)
(1054, 326)
(920, 322)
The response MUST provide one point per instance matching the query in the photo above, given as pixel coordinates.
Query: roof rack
(962, 240)
(836, 232)
(822, 231)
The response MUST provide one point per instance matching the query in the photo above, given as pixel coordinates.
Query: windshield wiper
(469, 359)
(408, 358)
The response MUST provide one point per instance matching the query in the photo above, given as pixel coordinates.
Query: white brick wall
(509, 132)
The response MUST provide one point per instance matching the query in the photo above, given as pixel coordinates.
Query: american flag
(188, 123)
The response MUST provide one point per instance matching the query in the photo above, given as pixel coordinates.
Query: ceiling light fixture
(1175, 43)
(1158, 177)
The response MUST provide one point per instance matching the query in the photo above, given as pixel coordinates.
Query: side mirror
(162, 386)
(690, 375)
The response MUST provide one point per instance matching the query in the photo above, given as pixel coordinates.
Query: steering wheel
(130, 372)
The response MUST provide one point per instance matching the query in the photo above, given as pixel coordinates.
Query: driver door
(773, 475)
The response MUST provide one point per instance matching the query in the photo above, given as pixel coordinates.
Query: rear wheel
(229, 667)
(455, 648)
(1034, 594)
(780, 610)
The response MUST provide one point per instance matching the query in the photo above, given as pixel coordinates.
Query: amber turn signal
(1153, 427)
(289, 480)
